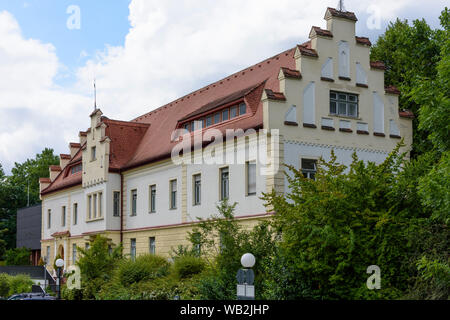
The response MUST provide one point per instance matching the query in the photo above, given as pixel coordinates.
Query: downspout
(121, 207)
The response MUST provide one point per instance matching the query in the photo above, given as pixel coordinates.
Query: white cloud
(172, 48)
(34, 113)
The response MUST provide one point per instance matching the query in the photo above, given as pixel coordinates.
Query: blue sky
(143, 53)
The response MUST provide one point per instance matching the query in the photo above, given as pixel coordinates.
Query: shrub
(20, 284)
(145, 267)
(186, 266)
(4, 285)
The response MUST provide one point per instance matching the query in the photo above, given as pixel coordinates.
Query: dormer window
(77, 168)
(216, 118)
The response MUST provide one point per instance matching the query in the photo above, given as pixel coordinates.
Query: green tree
(345, 220)
(97, 265)
(222, 241)
(409, 52)
(18, 257)
(14, 193)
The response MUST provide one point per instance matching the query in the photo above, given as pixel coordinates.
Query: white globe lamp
(59, 263)
(248, 260)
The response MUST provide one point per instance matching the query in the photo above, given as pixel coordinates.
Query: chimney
(74, 147)
(83, 137)
(54, 171)
(44, 183)
(64, 159)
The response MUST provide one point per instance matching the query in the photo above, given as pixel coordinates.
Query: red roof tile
(289, 73)
(363, 40)
(306, 50)
(378, 65)
(406, 114)
(275, 95)
(65, 156)
(322, 32)
(55, 168)
(392, 89)
(342, 14)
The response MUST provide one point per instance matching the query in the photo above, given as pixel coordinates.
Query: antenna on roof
(95, 96)
(341, 6)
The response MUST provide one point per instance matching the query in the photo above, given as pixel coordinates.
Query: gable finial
(341, 6)
(95, 95)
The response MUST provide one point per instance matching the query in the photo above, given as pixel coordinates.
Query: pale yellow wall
(96, 171)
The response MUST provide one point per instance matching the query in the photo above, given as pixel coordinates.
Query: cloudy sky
(143, 53)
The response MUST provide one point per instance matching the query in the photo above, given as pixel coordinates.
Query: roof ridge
(171, 104)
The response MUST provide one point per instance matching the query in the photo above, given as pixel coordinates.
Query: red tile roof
(45, 180)
(363, 40)
(392, 89)
(275, 95)
(65, 156)
(322, 32)
(378, 65)
(306, 50)
(55, 168)
(289, 73)
(406, 114)
(342, 14)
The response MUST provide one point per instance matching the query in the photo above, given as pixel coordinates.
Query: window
(133, 202)
(208, 121)
(94, 204)
(49, 218)
(309, 168)
(100, 196)
(152, 245)
(173, 194)
(225, 115)
(47, 257)
(89, 207)
(196, 241)
(93, 153)
(224, 183)
(217, 117)
(87, 246)
(152, 199)
(343, 104)
(63, 216)
(77, 168)
(74, 253)
(133, 249)
(116, 203)
(233, 112)
(242, 109)
(197, 189)
(110, 250)
(251, 178)
(75, 213)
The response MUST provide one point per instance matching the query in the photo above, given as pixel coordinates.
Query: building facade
(145, 182)
(28, 231)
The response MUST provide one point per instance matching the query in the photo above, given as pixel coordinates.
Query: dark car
(31, 296)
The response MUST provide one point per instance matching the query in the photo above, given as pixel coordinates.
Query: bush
(186, 266)
(4, 285)
(145, 267)
(19, 284)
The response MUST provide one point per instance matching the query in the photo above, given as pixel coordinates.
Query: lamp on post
(59, 264)
(246, 278)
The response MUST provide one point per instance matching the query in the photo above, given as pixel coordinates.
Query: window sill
(326, 79)
(328, 128)
(379, 134)
(251, 194)
(95, 219)
(345, 130)
(309, 125)
(151, 212)
(345, 78)
(291, 123)
(344, 117)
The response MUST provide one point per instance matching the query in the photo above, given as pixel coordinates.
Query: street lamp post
(246, 278)
(59, 264)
